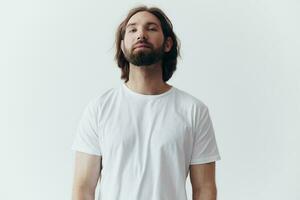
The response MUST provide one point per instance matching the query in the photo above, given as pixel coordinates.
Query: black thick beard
(145, 58)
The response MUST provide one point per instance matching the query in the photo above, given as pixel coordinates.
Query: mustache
(143, 42)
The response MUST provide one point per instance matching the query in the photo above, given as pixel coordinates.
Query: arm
(202, 178)
(87, 172)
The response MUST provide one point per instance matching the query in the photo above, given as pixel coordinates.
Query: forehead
(142, 18)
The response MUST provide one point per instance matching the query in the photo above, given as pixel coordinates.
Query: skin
(202, 177)
(145, 80)
(86, 175)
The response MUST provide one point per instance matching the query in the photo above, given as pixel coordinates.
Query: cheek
(127, 46)
(128, 42)
(158, 41)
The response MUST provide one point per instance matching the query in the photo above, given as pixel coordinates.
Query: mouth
(141, 46)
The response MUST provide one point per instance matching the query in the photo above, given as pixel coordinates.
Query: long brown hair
(169, 61)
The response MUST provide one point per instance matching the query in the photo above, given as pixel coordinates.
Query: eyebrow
(148, 23)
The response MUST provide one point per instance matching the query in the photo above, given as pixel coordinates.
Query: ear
(122, 45)
(168, 44)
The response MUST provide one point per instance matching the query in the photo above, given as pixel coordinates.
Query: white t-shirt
(147, 142)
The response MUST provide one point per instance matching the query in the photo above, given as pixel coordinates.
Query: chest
(154, 127)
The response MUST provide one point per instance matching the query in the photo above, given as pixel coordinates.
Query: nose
(141, 35)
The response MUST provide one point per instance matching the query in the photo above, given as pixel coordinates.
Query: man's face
(143, 42)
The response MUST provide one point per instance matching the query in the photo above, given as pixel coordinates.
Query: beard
(144, 57)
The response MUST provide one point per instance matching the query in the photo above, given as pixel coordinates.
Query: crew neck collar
(146, 96)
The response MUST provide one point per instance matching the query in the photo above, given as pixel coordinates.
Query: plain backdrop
(241, 58)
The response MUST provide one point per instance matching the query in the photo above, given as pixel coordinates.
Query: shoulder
(190, 100)
(101, 98)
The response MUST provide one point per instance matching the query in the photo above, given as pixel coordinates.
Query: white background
(241, 58)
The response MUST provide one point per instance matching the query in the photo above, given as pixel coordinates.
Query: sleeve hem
(205, 160)
(85, 150)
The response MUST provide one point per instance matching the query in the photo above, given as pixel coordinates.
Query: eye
(132, 30)
(152, 29)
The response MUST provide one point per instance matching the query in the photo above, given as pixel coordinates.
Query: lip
(141, 46)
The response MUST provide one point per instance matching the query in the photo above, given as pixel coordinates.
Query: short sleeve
(205, 147)
(87, 138)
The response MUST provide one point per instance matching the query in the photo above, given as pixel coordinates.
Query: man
(141, 139)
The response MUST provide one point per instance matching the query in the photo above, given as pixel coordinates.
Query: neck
(147, 79)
